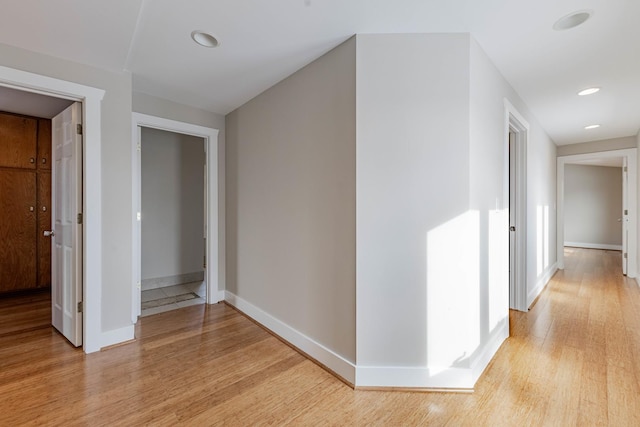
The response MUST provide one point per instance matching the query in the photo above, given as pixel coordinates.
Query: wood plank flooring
(573, 360)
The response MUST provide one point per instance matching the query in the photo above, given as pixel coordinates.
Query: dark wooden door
(18, 137)
(17, 229)
(25, 202)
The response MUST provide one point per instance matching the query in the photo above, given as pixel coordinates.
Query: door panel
(17, 230)
(66, 280)
(44, 223)
(44, 144)
(18, 141)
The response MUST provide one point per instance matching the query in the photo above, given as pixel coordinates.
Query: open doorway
(596, 204)
(209, 242)
(173, 242)
(40, 215)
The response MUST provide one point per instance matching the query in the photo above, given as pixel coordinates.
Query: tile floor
(172, 297)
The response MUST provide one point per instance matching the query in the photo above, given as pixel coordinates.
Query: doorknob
(49, 233)
(512, 228)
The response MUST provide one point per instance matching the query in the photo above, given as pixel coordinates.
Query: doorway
(210, 232)
(41, 184)
(172, 224)
(626, 160)
(91, 98)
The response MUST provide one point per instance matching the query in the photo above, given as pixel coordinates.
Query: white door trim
(210, 136)
(91, 99)
(630, 155)
(515, 122)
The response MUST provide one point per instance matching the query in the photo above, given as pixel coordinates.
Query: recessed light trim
(204, 39)
(589, 91)
(572, 20)
(592, 127)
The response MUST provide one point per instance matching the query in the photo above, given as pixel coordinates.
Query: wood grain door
(17, 229)
(18, 136)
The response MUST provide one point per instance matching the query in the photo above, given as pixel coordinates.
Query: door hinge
(626, 211)
(79, 306)
(79, 129)
(204, 262)
(139, 147)
(625, 168)
(80, 218)
(625, 256)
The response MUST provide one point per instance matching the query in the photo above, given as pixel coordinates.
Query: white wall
(172, 204)
(593, 206)
(116, 172)
(489, 178)
(291, 204)
(412, 180)
(597, 146)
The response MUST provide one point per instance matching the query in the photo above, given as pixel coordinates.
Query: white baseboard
(118, 336)
(593, 246)
(178, 279)
(499, 335)
(322, 354)
(447, 378)
(541, 283)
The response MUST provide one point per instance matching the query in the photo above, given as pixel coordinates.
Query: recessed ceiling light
(572, 20)
(589, 91)
(592, 127)
(204, 39)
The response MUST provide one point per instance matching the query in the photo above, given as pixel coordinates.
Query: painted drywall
(489, 198)
(172, 204)
(597, 146)
(412, 182)
(489, 166)
(592, 205)
(291, 201)
(116, 172)
(154, 106)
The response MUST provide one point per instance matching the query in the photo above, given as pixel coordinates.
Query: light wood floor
(574, 359)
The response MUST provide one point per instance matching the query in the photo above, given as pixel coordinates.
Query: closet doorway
(175, 215)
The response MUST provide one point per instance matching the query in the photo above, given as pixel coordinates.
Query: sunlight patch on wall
(498, 267)
(453, 294)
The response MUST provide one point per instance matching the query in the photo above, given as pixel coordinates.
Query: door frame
(212, 254)
(630, 154)
(515, 122)
(91, 99)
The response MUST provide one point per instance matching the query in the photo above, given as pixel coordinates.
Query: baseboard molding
(541, 283)
(414, 378)
(117, 336)
(333, 361)
(163, 282)
(447, 379)
(593, 246)
(480, 363)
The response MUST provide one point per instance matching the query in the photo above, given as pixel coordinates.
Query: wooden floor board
(573, 359)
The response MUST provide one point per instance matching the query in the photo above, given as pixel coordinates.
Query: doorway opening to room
(173, 242)
(596, 205)
(41, 252)
(175, 215)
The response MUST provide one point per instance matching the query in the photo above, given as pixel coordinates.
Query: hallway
(574, 359)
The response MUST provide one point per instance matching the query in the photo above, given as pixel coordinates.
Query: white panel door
(66, 262)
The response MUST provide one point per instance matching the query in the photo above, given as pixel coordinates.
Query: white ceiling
(263, 41)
